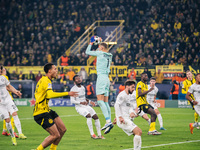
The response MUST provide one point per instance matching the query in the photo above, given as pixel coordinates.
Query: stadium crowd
(35, 32)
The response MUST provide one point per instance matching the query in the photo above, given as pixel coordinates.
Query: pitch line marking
(166, 144)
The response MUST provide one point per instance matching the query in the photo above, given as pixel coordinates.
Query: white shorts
(141, 113)
(197, 109)
(84, 110)
(153, 105)
(128, 127)
(5, 109)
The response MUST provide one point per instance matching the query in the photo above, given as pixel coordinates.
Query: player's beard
(130, 92)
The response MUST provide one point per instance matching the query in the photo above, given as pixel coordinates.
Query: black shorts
(145, 107)
(46, 120)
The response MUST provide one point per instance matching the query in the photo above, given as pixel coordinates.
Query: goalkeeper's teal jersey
(103, 60)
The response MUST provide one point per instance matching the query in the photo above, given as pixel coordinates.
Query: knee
(138, 132)
(57, 135)
(7, 120)
(88, 116)
(14, 114)
(154, 115)
(64, 130)
(95, 117)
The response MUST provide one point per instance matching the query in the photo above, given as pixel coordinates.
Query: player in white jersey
(124, 112)
(82, 107)
(7, 106)
(151, 99)
(135, 108)
(195, 90)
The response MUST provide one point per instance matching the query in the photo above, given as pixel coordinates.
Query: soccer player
(124, 111)
(195, 90)
(151, 99)
(102, 85)
(7, 106)
(12, 120)
(186, 84)
(135, 108)
(82, 107)
(43, 115)
(141, 94)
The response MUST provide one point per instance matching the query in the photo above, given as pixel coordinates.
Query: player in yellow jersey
(142, 104)
(186, 84)
(11, 120)
(45, 116)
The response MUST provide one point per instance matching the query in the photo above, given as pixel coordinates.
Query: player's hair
(153, 78)
(188, 71)
(104, 45)
(75, 77)
(129, 83)
(47, 67)
(197, 75)
(143, 73)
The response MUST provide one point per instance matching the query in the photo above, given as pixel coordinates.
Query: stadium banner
(184, 104)
(169, 71)
(171, 104)
(24, 101)
(60, 102)
(121, 71)
(160, 103)
(193, 69)
(140, 70)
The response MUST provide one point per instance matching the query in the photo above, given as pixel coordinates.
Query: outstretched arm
(13, 90)
(51, 94)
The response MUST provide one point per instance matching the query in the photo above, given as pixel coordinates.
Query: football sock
(12, 123)
(53, 147)
(196, 116)
(108, 109)
(98, 127)
(160, 120)
(9, 127)
(17, 124)
(4, 126)
(104, 110)
(90, 126)
(149, 121)
(152, 126)
(137, 142)
(40, 147)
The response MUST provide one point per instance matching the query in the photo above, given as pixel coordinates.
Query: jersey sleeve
(119, 101)
(184, 88)
(156, 92)
(92, 53)
(47, 85)
(7, 82)
(191, 89)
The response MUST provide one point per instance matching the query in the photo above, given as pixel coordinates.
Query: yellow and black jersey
(8, 91)
(43, 93)
(186, 84)
(41, 104)
(141, 99)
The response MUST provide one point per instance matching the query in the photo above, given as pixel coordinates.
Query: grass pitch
(176, 137)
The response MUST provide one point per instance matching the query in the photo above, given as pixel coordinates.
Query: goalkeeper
(104, 60)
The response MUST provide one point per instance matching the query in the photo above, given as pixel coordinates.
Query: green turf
(77, 137)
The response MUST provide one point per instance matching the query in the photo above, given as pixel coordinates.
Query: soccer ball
(98, 40)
